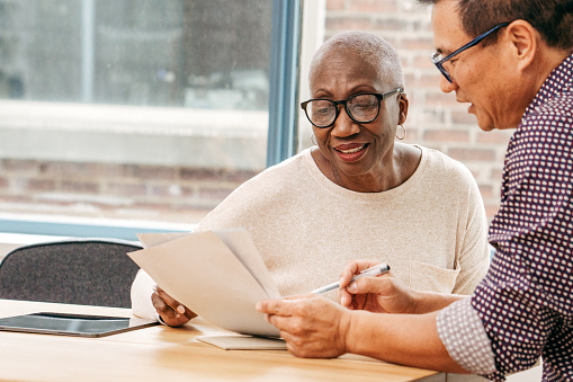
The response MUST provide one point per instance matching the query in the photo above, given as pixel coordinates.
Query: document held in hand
(217, 274)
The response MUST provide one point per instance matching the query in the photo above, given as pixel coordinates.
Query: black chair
(74, 271)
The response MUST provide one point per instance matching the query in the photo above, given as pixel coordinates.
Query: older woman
(357, 193)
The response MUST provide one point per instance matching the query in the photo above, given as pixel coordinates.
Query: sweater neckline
(342, 192)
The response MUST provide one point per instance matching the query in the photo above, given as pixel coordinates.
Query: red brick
(441, 99)
(497, 174)
(386, 6)
(464, 118)
(125, 189)
(486, 191)
(430, 115)
(16, 199)
(491, 210)
(187, 191)
(348, 23)
(421, 26)
(80, 187)
(138, 205)
(411, 135)
(240, 176)
(496, 136)
(152, 172)
(165, 190)
(198, 208)
(18, 165)
(422, 61)
(188, 173)
(111, 170)
(447, 135)
(335, 5)
(34, 184)
(394, 25)
(76, 169)
(214, 193)
(431, 81)
(419, 44)
(475, 173)
(472, 154)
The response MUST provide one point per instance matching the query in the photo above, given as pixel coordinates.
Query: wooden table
(161, 353)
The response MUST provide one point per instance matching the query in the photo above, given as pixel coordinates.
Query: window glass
(131, 109)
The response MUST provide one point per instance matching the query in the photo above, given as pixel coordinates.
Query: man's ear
(524, 42)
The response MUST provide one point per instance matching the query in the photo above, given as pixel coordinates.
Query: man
(513, 62)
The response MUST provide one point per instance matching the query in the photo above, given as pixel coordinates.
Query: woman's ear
(404, 106)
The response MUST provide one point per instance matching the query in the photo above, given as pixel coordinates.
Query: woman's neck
(388, 175)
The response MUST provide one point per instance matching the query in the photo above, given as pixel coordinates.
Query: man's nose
(447, 86)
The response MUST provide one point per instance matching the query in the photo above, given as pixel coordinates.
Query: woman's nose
(344, 126)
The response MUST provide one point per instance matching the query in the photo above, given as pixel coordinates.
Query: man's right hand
(171, 311)
(382, 294)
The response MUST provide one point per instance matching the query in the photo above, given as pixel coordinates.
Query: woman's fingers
(171, 311)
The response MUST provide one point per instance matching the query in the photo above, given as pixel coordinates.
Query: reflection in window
(204, 54)
(145, 109)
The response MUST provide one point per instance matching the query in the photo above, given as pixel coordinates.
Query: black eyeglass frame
(379, 96)
(440, 63)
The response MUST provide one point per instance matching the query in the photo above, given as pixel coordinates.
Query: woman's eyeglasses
(361, 108)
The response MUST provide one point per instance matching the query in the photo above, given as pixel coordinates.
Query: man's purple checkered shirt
(523, 308)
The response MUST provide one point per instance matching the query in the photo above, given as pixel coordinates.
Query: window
(131, 109)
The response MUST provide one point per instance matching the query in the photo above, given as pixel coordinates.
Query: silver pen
(373, 271)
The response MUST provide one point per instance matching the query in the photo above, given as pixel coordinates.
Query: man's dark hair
(553, 19)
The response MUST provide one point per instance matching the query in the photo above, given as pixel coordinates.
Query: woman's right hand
(381, 294)
(171, 311)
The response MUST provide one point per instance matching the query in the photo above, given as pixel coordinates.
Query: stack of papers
(217, 274)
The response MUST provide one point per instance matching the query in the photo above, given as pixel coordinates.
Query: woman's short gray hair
(373, 49)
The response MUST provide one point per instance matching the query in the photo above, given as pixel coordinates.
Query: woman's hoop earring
(312, 140)
(403, 135)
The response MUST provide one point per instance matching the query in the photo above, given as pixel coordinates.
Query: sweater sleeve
(141, 291)
(474, 253)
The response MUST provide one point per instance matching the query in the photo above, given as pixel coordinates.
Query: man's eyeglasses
(439, 61)
(361, 108)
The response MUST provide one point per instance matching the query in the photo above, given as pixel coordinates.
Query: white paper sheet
(203, 273)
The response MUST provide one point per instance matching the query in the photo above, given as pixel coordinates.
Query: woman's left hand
(311, 325)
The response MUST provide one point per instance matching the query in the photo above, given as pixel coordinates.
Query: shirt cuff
(462, 333)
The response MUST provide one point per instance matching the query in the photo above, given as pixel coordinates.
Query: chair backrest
(82, 271)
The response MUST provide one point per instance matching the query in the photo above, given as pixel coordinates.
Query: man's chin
(486, 124)
(486, 127)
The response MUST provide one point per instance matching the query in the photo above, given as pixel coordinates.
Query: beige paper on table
(219, 275)
(245, 343)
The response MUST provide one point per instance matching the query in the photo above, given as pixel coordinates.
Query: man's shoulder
(554, 101)
(553, 117)
(556, 107)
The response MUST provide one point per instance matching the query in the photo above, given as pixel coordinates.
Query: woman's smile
(351, 152)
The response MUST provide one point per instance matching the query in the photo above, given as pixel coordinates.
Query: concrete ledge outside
(129, 134)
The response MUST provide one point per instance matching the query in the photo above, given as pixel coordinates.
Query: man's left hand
(312, 326)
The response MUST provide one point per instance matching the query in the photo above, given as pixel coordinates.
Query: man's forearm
(426, 302)
(402, 339)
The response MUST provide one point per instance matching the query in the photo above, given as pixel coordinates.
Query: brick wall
(160, 193)
(435, 119)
